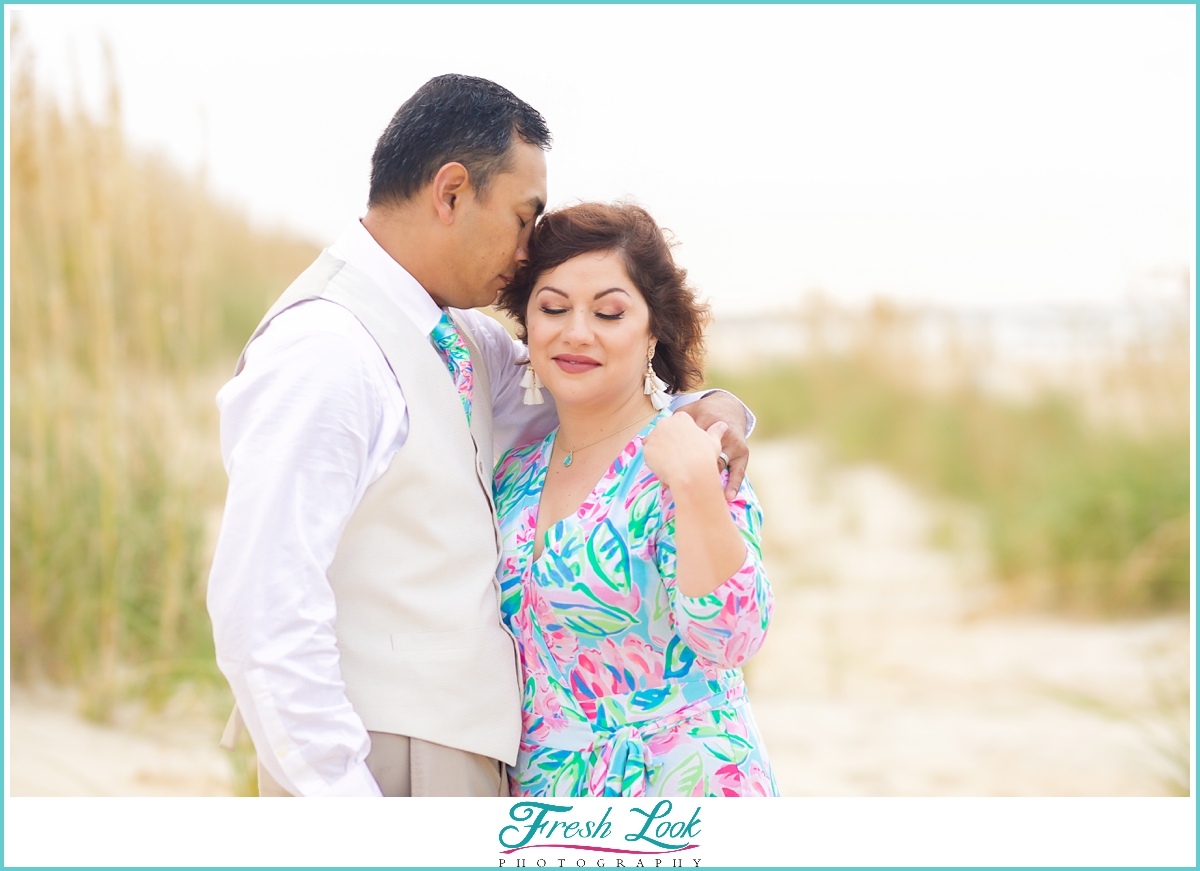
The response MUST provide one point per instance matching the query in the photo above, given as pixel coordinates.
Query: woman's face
(588, 329)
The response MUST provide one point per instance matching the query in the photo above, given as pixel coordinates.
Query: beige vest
(422, 650)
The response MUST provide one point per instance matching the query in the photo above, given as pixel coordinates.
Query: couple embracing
(399, 614)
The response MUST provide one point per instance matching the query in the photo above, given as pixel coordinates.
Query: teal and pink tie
(457, 358)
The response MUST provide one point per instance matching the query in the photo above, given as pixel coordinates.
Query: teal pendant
(567, 461)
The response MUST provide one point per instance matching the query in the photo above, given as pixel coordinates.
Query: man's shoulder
(313, 355)
(317, 319)
(318, 327)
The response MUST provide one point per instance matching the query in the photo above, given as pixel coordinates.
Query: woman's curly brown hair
(677, 318)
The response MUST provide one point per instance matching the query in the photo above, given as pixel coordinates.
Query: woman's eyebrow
(597, 296)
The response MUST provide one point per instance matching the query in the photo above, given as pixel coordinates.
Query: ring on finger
(723, 459)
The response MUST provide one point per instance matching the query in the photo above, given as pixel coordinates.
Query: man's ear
(449, 185)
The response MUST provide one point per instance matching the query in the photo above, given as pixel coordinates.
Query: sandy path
(54, 751)
(889, 669)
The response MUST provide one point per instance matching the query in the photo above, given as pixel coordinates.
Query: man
(352, 593)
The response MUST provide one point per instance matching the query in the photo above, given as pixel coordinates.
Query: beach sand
(893, 667)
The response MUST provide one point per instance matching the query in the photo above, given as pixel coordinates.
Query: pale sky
(987, 155)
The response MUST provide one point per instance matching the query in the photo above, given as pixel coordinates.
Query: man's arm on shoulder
(513, 422)
(295, 435)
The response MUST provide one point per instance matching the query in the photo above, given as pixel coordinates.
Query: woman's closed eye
(562, 310)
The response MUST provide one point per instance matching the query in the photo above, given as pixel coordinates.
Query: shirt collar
(358, 248)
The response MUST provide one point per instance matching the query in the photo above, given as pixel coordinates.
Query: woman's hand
(708, 546)
(680, 453)
(726, 408)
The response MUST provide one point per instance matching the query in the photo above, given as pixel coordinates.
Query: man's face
(493, 232)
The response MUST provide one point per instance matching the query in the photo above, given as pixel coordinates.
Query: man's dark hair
(451, 118)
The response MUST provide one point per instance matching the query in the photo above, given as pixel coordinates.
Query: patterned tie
(458, 360)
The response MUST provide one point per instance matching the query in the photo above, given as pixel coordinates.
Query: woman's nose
(578, 328)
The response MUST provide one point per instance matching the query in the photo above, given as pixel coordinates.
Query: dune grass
(132, 289)
(1078, 516)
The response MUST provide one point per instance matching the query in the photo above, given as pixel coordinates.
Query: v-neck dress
(630, 687)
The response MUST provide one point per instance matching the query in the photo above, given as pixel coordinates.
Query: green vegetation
(1093, 517)
(132, 291)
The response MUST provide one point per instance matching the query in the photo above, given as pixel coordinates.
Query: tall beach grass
(1083, 490)
(132, 289)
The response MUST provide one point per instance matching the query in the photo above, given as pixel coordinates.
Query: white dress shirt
(313, 419)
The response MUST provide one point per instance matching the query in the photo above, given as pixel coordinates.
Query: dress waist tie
(619, 761)
(618, 764)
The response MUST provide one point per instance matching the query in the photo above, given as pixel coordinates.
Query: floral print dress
(630, 687)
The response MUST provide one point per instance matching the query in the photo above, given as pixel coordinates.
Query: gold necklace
(571, 453)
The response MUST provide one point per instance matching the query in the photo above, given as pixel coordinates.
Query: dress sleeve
(729, 625)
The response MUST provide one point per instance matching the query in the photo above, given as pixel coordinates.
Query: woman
(636, 599)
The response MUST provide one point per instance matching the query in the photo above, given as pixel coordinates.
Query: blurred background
(950, 255)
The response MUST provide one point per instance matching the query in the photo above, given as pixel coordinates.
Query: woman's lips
(574, 364)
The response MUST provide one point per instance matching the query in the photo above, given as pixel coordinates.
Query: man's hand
(724, 408)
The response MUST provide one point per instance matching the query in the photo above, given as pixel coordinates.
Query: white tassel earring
(532, 385)
(655, 387)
